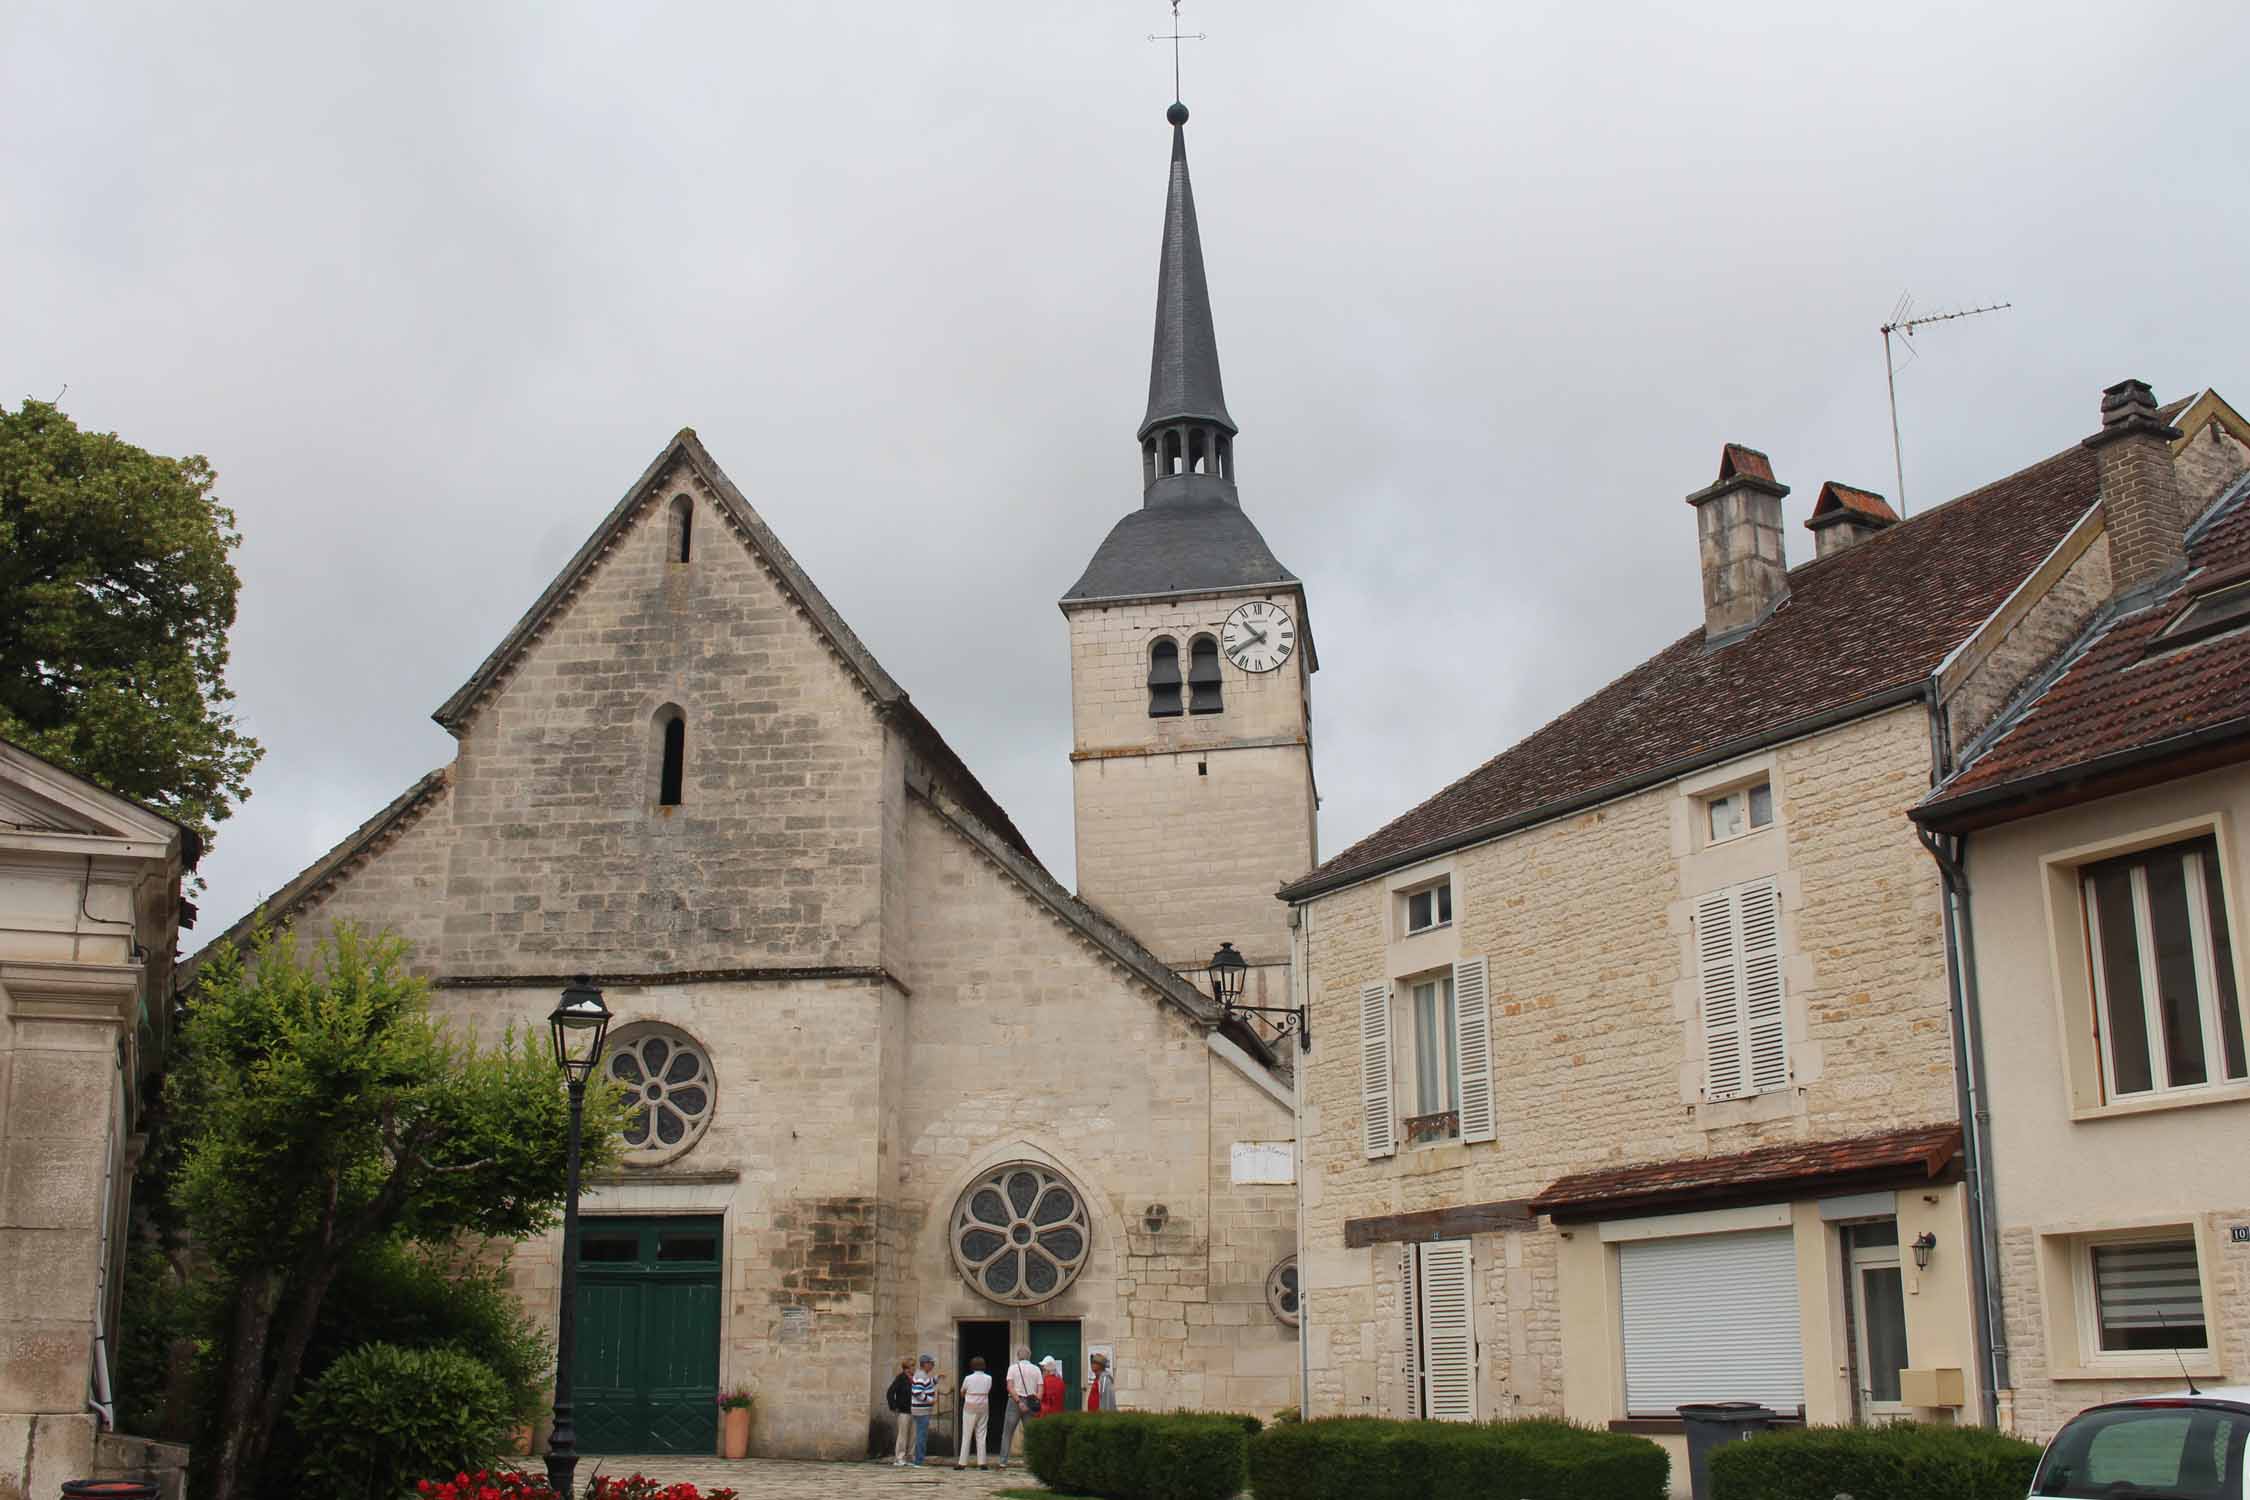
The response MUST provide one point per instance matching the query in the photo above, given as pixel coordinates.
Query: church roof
(1179, 546)
(1183, 372)
(890, 698)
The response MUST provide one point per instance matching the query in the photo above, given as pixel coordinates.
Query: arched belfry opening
(679, 541)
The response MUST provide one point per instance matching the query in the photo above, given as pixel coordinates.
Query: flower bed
(516, 1484)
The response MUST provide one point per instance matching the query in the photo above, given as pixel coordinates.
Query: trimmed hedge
(1368, 1458)
(1906, 1461)
(1133, 1455)
(382, 1417)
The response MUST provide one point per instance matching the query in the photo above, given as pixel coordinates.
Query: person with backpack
(1025, 1393)
(900, 1399)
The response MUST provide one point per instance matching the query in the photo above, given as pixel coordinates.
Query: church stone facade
(898, 1090)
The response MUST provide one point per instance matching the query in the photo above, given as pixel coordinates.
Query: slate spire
(1183, 374)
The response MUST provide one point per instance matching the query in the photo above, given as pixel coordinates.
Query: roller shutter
(1711, 1317)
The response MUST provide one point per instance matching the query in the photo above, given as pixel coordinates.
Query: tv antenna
(1902, 321)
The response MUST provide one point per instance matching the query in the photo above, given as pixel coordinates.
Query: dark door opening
(1060, 1338)
(985, 1339)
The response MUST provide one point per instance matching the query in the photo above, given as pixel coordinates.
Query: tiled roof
(2122, 691)
(1868, 622)
(1737, 461)
(1921, 1151)
(1841, 500)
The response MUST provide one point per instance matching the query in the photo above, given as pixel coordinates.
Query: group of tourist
(1031, 1390)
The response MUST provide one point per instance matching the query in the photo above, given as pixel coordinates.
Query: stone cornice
(54, 990)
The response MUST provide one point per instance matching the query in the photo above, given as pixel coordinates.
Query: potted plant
(734, 1422)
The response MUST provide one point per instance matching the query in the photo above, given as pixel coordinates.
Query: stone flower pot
(734, 1433)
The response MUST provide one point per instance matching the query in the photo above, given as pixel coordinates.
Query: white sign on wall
(1265, 1161)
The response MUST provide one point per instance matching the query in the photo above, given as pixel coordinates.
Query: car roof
(2211, 1395)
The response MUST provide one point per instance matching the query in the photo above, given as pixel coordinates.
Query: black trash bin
(109, 1489)
(1707, 1424)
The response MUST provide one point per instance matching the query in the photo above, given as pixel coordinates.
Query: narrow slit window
(1164, 679)
(1204, 694)
(671, 773)
(683, 529)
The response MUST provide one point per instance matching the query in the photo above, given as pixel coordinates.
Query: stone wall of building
(2011, 650)
(1586, 923)
(1185, 826)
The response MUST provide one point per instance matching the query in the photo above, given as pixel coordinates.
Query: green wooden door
(647, 1372)
(1061, 1340)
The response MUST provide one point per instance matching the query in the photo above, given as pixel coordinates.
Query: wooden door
(647, 1370)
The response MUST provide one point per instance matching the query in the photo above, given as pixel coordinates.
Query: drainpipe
(1972, 1097)
(1300, 984)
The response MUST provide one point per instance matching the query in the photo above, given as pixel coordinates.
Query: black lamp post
(579, 1024)
(1228, 970)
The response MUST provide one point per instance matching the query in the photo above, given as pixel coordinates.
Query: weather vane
(1176, 36)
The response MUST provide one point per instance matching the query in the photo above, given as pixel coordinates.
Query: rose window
(1281, 1291)
(1020, 1234)
(667, 1085)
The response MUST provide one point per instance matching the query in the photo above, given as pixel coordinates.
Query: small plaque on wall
(2238, 1234)
(1264, 1161)
(796, 1324)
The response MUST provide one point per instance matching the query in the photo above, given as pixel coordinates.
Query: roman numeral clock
(1258, 636)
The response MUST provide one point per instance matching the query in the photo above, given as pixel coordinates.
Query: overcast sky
(431, 284)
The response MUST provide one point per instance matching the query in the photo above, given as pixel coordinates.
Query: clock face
(1259, 636)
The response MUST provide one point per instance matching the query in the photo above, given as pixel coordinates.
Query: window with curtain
(2147, 1295)
(2165, 1003)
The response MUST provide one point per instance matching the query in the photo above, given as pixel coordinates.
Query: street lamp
(579, 1023)
(1228, 970)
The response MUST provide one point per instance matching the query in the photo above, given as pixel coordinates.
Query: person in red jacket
(1101, 1391)
(1050, 1386)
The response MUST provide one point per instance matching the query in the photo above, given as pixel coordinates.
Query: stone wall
(1586, 923)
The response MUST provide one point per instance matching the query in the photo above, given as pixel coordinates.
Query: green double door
(647, 1373)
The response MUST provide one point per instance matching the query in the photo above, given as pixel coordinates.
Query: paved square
(776, 1477)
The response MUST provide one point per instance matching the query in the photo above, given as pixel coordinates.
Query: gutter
(1671, 770)
(1952, 810)
(1972, 1095)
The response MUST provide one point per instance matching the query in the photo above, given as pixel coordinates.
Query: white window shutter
(1718, 965)
(1410, 1312)
(1380, 1129)
(1758, 907)
(1449, 1350)
(1472, 1033)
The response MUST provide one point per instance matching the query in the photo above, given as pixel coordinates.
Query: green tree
(116, 595)
(322, 1108)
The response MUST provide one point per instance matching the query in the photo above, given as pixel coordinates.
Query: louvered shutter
(1711, 1317)
(1448, 1332)
(1472, 1034)
(1380, 1128)
(1758, 912)
(1719, 974)
(1410, 1310)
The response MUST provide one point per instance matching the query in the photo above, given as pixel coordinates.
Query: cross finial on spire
(1176, 36)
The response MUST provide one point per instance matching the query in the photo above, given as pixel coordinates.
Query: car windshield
(2152, 1452)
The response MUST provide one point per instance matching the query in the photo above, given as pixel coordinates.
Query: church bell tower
(1191, 663)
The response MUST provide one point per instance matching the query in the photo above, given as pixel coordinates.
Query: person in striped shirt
(922, 1397)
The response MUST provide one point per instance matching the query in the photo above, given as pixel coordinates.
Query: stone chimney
(2142, 509)
(1843, 516)
(1738, 531)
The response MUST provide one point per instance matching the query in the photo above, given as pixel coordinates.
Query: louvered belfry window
(1204, 696)
(1738, 971)
(1164, 679)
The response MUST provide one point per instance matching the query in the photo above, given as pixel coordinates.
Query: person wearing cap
(1050, 1386)
(922, 1403)
(1101, 1390)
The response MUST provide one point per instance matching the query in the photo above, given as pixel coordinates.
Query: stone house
(1634, 1078)
(2093, 836)
(900, 1091)
(90, 913)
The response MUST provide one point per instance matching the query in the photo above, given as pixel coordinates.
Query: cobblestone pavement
(771, 1478)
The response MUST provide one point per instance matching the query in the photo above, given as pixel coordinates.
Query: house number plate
(2239, 1233)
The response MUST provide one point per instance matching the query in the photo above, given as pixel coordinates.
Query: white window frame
(2091, 1354)
(1439, 890)
(1708, 806)
(2199, 901)
(1447, 1032)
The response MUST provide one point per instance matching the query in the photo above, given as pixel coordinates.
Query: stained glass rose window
(667, 1084)
(1020, 1233)
(1281, 1291)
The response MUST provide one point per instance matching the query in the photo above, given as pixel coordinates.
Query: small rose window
(668, 1089)
(1020, 1234)
(1281, 1291)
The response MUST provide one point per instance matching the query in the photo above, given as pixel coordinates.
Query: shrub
(1907, 1461)
(1140, 1455)
(381, 1417)
(1362, 1458)
(392, 1293)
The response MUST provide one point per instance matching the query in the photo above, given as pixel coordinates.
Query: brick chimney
(2142, 509)
(1843, 516)
(1738, 531)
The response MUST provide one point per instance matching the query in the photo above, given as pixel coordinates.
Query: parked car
(2183, 1447)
